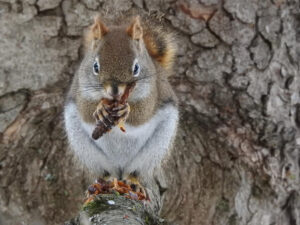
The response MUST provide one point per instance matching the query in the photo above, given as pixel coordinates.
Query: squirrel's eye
(96, 67)
(136, 69)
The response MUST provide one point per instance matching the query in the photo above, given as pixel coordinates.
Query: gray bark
(236, 159)
(114, 210)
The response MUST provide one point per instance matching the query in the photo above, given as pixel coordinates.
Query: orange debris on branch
(109, 187)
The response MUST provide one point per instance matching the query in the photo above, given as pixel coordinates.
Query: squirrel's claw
(122, 112)
(135, 185)
(102, 116)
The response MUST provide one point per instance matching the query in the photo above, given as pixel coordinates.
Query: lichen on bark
(116, 209)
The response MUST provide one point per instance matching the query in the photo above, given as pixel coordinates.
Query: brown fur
(116, 47)
(160, 43)
(161, 47)
(142, 111)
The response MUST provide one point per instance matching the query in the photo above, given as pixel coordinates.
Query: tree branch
(116, 209)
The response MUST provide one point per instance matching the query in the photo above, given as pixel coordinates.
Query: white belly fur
(121, 148)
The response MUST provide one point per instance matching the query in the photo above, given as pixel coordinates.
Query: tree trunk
(236, 159)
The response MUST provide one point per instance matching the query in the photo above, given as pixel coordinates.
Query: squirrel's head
(116, 57)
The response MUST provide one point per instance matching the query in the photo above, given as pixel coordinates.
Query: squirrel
(116, 55)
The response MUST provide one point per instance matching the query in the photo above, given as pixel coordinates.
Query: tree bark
(116, 209)
(236, 159)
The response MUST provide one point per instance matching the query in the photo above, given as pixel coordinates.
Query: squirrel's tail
(160, 43)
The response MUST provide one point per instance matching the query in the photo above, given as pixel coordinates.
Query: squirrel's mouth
(116, 91)
(128, 90)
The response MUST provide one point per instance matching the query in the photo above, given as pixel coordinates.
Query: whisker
(143, 78)
(89, 89)
(88, 85)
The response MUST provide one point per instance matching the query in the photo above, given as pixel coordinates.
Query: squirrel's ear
(135, 30)
(95, 32)
(98, 29)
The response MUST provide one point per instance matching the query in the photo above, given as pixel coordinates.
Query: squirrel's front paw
(111, 115)
(121, 112)
(103, 116)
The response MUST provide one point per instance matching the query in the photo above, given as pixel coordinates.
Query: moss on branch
(116, 209)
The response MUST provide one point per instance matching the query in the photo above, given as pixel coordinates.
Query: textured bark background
(237, 154)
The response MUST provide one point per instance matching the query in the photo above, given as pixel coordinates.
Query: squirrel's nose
(115, 90)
